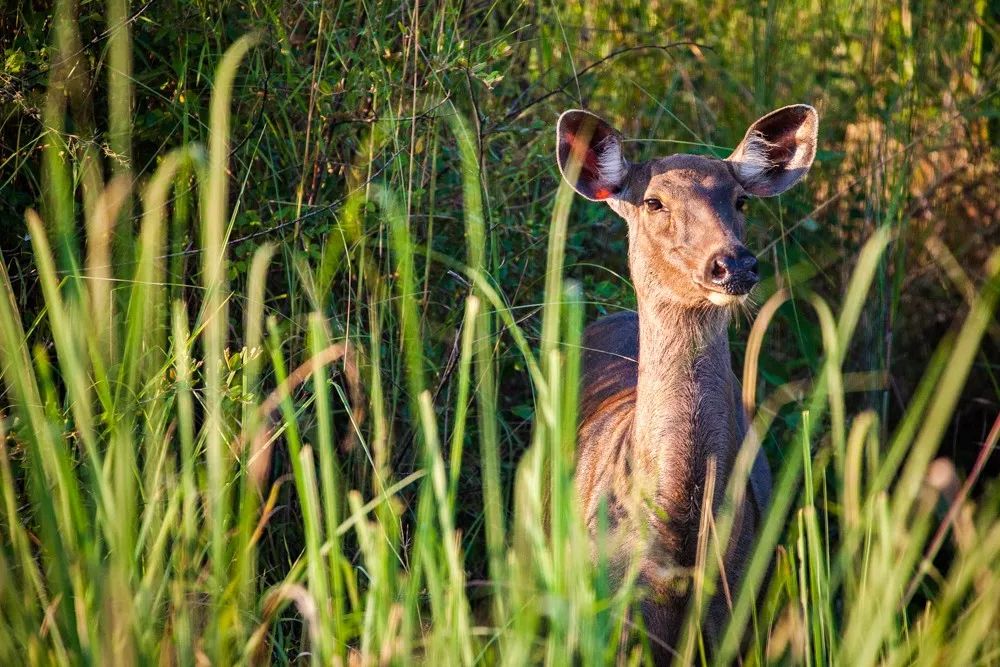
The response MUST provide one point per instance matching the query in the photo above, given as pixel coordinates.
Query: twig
(260, 449)
(514, 113)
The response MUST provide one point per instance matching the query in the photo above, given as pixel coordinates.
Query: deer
(660, 413)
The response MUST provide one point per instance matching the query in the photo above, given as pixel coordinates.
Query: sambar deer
(660, 406)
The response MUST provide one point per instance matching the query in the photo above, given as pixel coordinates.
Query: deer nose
(734, 271)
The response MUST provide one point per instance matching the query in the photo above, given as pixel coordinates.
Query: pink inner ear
(589, 157)
(602, 193)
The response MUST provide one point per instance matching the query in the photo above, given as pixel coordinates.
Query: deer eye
(653, 204)
(741, 202)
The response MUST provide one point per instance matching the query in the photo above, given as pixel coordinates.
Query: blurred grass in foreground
(146, 448)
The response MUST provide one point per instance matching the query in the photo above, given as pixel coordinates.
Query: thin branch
(516, 112)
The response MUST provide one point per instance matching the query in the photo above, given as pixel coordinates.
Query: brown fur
(695, 413)
(660, 404)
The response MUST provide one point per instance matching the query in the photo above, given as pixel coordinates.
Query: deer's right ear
(590, 157)
(777, 150)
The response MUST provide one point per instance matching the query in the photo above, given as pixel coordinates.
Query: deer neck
(684, 404)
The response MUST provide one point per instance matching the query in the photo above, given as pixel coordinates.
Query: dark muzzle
(735, 272)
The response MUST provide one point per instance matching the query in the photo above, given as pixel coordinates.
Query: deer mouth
(740, 284)
(734, 290)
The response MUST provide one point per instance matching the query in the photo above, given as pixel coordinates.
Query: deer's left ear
(589, 152)
(777, 150)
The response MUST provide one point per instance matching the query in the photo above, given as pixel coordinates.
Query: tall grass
(185, 480)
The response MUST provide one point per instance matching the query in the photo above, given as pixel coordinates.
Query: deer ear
(777, 150)
(590, 157)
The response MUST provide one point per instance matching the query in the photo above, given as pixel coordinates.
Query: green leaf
(14, 61)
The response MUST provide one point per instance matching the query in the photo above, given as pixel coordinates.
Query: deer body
(661, 416)
(702, 420)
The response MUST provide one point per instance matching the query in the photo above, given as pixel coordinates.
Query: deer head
(685, 212)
